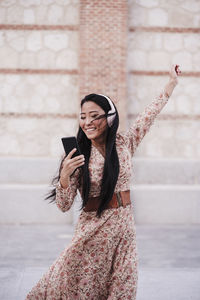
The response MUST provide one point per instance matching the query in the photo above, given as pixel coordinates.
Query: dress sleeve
(65, 197)
(143, 122)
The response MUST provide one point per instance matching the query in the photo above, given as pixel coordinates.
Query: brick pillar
(103, 48)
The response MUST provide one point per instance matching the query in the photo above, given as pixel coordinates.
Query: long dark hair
(111, 163)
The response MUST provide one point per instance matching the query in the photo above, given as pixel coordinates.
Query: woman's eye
(83, 118)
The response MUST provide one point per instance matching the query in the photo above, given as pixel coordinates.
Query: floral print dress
(101, 261)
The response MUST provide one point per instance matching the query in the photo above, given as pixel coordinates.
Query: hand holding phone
(74, 159)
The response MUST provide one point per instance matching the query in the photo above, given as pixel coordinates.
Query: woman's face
(93, 129)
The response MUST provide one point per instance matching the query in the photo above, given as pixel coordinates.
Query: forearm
(66, 189)
(168, 89)
(64, 197)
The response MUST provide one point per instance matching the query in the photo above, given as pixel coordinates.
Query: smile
(90, 129)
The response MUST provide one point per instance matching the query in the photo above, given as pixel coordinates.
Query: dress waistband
(121, 198)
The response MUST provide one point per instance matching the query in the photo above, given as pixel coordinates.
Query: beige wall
(152, 48)
(49, 12)
(47, 85)
(39, 59)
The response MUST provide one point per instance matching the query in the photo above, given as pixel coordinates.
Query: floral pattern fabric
(101, 261)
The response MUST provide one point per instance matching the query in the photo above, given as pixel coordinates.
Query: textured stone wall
(160, 34)
(58, 12)
(39, 49)
(39, 87)
(39, 92)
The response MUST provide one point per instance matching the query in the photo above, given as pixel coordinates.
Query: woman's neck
(99, 142)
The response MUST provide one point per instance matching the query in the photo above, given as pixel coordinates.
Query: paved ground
(169, 266)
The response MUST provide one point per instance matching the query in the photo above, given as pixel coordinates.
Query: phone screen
(70, 143)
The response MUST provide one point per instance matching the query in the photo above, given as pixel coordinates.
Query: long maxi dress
(101, 260)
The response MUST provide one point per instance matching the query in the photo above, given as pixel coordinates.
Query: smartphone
(70, 143)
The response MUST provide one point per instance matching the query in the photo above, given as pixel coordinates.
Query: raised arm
(143, 122)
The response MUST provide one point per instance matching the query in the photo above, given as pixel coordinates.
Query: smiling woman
(99, 121)
(101, 260)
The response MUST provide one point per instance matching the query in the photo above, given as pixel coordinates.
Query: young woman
(101, 260)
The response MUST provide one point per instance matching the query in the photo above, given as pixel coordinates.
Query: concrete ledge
(166, 171)
(25, 204)
(166, 204)
(145, 171)
(28, 170)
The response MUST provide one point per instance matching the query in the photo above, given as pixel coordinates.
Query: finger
(81, 164)
(72, 161)
(72, 164)
(76, 158)
(71, 153)
(63, 156)
(77, 165)
(68, 161)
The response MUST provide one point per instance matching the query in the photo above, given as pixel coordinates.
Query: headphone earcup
(110, 119)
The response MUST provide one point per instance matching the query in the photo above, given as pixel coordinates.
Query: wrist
(173, 81)
(64, 181)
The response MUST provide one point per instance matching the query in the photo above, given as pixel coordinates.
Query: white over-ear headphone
(112, 111)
